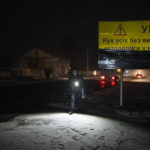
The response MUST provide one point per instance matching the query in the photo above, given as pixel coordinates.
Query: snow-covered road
(131, 79)
(55, 131)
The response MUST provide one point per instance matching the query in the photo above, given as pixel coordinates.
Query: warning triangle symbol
(120, 31)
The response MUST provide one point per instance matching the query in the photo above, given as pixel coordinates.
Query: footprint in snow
(61, 146)
(101, 138)
(84, 134)
(75, 138)
(120, 142)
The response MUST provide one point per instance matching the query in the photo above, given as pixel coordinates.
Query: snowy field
(58, 131)
(23, 126)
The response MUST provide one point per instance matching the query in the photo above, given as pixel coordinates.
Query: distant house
(39, 64)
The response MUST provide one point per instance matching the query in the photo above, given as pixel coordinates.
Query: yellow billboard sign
(124, 35)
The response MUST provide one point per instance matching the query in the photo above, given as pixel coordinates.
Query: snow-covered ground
(55, 131)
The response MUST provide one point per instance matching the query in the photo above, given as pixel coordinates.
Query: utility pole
(36, 58)
(87, 61)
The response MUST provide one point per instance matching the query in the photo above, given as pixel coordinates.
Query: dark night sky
(66, 28)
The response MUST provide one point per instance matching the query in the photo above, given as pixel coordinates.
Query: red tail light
(113, 83)
(102, 84)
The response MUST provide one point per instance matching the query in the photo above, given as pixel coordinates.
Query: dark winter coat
(71, 83)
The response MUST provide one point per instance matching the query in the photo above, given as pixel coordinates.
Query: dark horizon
(68, 29)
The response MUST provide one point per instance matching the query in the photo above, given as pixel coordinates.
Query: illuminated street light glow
(118, 70)
(95, 73)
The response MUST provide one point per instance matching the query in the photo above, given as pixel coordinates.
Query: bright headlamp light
(76, 84)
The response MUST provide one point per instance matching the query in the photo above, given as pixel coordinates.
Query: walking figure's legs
(79, 101)
(72, 101)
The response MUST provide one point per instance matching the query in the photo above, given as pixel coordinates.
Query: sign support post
(121, 87)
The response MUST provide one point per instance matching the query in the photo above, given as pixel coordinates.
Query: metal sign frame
(110, 59)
